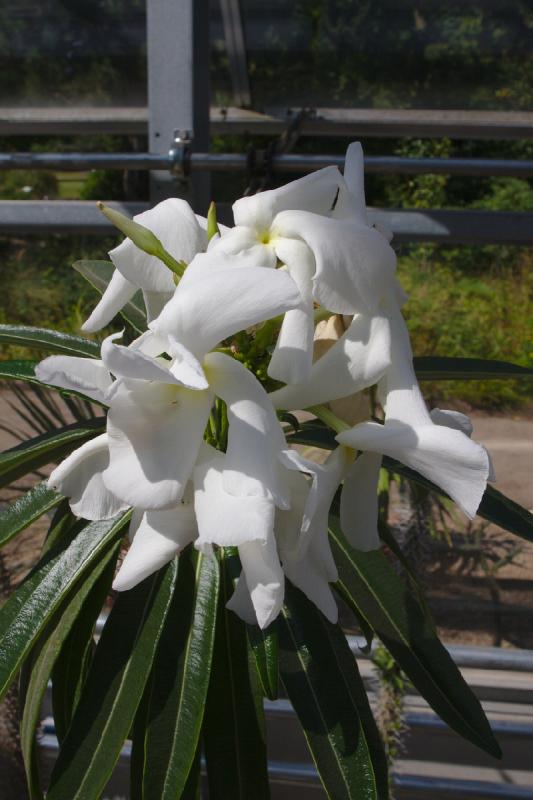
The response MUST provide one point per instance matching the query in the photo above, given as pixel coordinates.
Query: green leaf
(25, 510)
(38, 667)
(495, 507)
(47, 448)
(113, 689)
(320, 676)
(32, 605)
(370, 584)
(98, 274)
(234, 735)
(212, 225)
(167, 742)
(443, 368)
(51, 341)
(264, 647)
(314, 434)
(75, 656)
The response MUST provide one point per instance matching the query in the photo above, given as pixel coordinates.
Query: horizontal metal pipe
(228, 162)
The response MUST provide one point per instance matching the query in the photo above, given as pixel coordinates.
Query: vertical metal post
(178, 89)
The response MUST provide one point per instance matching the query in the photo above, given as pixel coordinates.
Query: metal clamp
(179, 155)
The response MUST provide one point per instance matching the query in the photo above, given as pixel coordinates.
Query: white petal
(293, 355)
(255, 436)
(442, 455)
(354, 264)
(223, 518)
(240, 602)
(245, 243)
(88, 376)
(204, 312)
(357, 360)
(155, 431)
(158, 537)
(359, 502)
(155, 302)
(452, 419)
(461, 422)
(326, 479)
(79, 477)
(118, 292)
(264, 579)
(129, 362)
(315, 192)
(354, 177)
(150, 344)
(175, 225)
(308, 573)
(186, 367)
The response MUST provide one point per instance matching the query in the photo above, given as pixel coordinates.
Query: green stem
(329, 418)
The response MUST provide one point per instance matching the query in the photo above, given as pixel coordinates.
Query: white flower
(442, 454)
(181, 234)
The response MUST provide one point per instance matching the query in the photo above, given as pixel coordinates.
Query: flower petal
(354, 264)
(255, 435)
(158, 537)
(293, 355)
(186, 368)
(175, 225)
(223, 518)
(442, 455)
(204, 312)
(155, 302)
(264, 578)
(359, 502)
(354, 178)
(118, 292)
(461, 422)
(240, 602)
(246, 243)
(357, 360)
(155, 432)
(86, 375)
(315, 192)
(308, 576)
(79, 477)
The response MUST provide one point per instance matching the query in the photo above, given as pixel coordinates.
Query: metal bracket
(261, 162)
(179, 155)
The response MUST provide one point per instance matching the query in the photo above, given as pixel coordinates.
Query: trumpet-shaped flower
(181, 234)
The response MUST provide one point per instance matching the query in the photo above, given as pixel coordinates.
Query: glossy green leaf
(320, 676)
(31, 606)
(368, 581)
(56, 637)
(234, 735)
(444, 368)
(48, 340)
(167, 742)
(25, 510)
(264, 647)
(47, 448)
(98, 274)
(314, 434)
(495, 507)
(113, 689)
(75, 656)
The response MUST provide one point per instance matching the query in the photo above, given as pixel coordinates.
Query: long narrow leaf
(37, 669)
(320, 676)
(45, 449)
(31, 606)
(113, 690)
(369, 582)
(98, 274)
(178, 689)
(234, 735)
(48, 340)
(25, 510)
(264, 647)
(444, 368)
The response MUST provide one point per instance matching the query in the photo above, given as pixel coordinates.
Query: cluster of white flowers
(302, 251)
